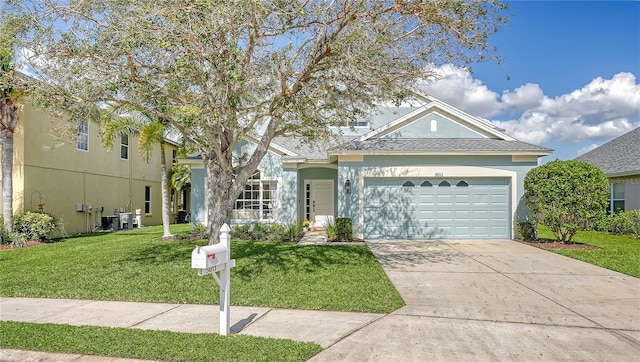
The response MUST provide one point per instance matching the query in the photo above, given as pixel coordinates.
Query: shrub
(261, 232)
(626, 222)
(330, 228)
(344, 229)
(621, 223)
(240, 232)
(527, 230)
(294, 231)
(634, 216)
(566, 196)
(34, 225)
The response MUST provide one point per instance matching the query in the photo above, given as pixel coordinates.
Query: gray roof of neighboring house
(618, 157)
(446, 145)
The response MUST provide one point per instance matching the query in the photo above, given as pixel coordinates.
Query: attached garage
(431, 208)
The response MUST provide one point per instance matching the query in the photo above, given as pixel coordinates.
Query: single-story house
(421, 170)
(619, 159)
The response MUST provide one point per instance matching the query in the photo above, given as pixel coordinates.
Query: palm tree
(10, 100)
(150, 132)
(179, 177)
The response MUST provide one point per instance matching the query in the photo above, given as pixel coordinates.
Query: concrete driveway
(497, 300)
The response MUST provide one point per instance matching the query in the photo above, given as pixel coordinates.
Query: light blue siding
(198, 176)
(443, 128)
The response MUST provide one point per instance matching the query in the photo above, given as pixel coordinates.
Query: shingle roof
(304, 149)
(445, 145)
(620, 156)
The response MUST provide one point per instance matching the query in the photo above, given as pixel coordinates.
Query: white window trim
(148, 202)
(276, 202)
(122, 144)
(612, 199)
(79, 134)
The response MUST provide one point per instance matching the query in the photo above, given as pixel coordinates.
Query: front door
(319, 198)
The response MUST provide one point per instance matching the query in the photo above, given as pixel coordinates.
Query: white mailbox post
(211, 259)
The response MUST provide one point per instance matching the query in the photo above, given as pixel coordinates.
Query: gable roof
(432, 104)
(618, 157)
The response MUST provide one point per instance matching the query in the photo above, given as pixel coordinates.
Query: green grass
(137, 266)
(618, 252)
(150, 345)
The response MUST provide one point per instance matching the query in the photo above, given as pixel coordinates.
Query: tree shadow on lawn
(256, 257)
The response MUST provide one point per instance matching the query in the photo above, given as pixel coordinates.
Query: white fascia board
(623, 173)
(193, 162)
(476, 121)
(397, 124)
(433, 106)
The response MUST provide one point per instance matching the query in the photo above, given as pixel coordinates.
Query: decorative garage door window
(258, 200)
(439, 208)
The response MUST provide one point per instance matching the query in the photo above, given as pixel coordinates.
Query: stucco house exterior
(80, 181)
(619, 159)
(421, 170)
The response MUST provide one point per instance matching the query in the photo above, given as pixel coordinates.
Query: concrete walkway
(322, 327)
(491, 300)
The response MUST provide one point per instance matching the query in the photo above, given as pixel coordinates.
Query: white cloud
(525, 97)
(600, 110)
(457, 87)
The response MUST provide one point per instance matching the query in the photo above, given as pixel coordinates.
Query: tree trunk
(166, 222)
(7, 179)
(219, 198)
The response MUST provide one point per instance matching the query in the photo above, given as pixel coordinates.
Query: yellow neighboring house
(81, 182)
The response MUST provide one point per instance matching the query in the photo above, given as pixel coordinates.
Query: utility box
(126, 220)
(110, 222)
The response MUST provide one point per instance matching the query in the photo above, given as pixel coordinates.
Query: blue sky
(569, 79)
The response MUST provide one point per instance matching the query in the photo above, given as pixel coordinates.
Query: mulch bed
(25, 245)
(551, 244)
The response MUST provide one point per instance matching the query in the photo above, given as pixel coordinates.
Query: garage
(434, 208)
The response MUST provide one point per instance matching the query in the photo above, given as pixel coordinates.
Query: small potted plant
(305, 225)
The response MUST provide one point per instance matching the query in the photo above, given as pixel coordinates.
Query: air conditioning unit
(81, 207)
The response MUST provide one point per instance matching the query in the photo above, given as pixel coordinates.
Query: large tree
(222, 69)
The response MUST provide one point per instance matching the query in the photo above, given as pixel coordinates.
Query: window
(426, 184)
(616, 198)
(444, 184)
(147, 200)
(82, 142)
(124, 147)
(408, 184)
(462, 184)
(434, 125)
(258, 200)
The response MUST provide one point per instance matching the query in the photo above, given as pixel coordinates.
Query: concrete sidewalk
(322, 327)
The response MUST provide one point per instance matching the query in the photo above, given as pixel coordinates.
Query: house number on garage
(439, 174)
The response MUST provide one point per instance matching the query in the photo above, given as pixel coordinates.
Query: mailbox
(203, 257)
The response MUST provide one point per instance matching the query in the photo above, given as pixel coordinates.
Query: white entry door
(319, 198)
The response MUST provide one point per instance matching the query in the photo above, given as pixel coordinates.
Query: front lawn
(617, 252)
(150, 345)
(136, 265)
